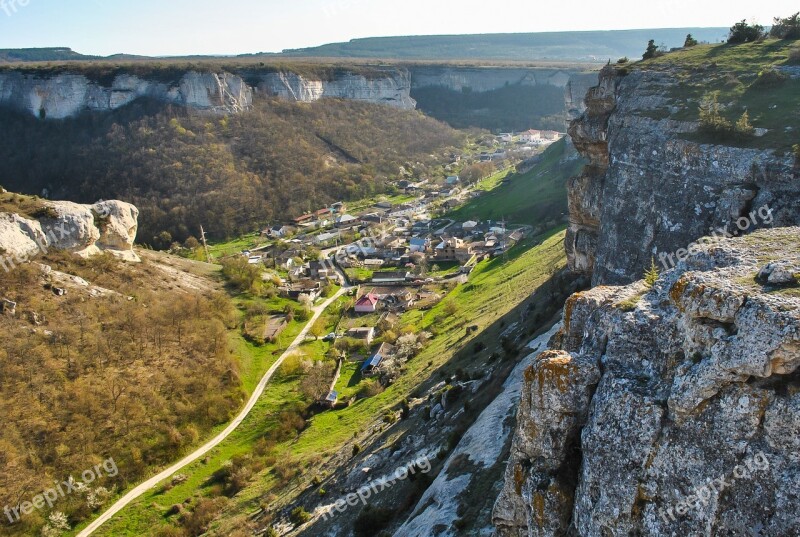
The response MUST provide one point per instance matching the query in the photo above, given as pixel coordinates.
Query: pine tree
(690, 41)
(651, 276)
(652, 50)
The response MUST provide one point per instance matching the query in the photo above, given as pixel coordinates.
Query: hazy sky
(176, 27)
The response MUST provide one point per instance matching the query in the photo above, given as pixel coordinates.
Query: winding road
(151, 483)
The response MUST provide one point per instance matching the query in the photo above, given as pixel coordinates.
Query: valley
(426, 286)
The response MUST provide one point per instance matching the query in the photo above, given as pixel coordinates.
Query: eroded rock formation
(107, 226)
(671, 410)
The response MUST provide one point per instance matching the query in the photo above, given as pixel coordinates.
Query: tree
(318, 329)
(742, 32)
(690, 41)
(651, 275)
(743, 127)
(317, 381)
(788, 28)
(652, 50)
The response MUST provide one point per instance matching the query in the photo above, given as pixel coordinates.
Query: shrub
(299, 516)
(743, 127)
(742, 32)
(711, 120)
(690, 41)
(794, 56)
(623, 60)
(769, 78)
(788, 28)
(651, 276)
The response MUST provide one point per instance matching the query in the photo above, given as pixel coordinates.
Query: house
(366, 334)
(278, 232)
(454, 249)
(320, 270)
(388, 320)
(391, 277)
(330, 400)
(505, 137)
(403, 300)
(372, 218)
(304, 219)
(275, 325)
(531, 136)
(324, 238)
(303, 287)
(346, 220)
(338, 207)
(384, 205)
(367, 303)
(551, 135)
(419, 244)
(469, 225)
(373, 363)
(373, 263)
(452, 180)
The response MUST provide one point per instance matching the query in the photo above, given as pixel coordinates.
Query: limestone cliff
(671, 410)
(651, 189)
(63, 95)
(106, 226)
(392, 87)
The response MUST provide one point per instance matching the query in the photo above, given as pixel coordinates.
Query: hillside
(551, 46)
(184, 168)
(534, 197)
(118, 364)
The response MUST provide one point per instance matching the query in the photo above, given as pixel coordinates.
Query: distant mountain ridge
(543, 46)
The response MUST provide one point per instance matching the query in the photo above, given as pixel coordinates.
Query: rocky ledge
(668, 410)
(106, 226)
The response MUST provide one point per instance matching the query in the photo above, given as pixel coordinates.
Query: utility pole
(205, 244)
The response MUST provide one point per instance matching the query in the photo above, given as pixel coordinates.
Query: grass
(531, 198)
(735, 72)
(224, 249)
(496, 287)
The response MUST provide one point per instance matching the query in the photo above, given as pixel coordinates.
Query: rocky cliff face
(66, 95)
(63, 95)
(392, 88)
(106, 226)
(650, 191)
(671, 410)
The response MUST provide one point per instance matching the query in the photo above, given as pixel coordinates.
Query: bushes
(788, 28)
(651, 51)
(742, 32)
(769, 78)
(794, 56)
(299, 516)
(716, 126)
(690, 41)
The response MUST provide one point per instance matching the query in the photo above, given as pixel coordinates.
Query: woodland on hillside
(184, 168)
(137, 376)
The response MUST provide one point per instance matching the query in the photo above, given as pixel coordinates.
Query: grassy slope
(732, 70)
(530, 198)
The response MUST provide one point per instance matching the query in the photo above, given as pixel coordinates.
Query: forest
(230, 174)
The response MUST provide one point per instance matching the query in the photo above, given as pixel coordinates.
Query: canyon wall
(651, 190)
(64, 94)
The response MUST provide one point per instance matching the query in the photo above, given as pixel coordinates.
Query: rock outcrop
(64, 95)
(86, 230)
(391, 87)
(651, 190)
(671, 410)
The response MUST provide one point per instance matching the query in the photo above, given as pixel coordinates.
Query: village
(395, 256)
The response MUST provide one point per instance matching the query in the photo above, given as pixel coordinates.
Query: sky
(184, 27)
